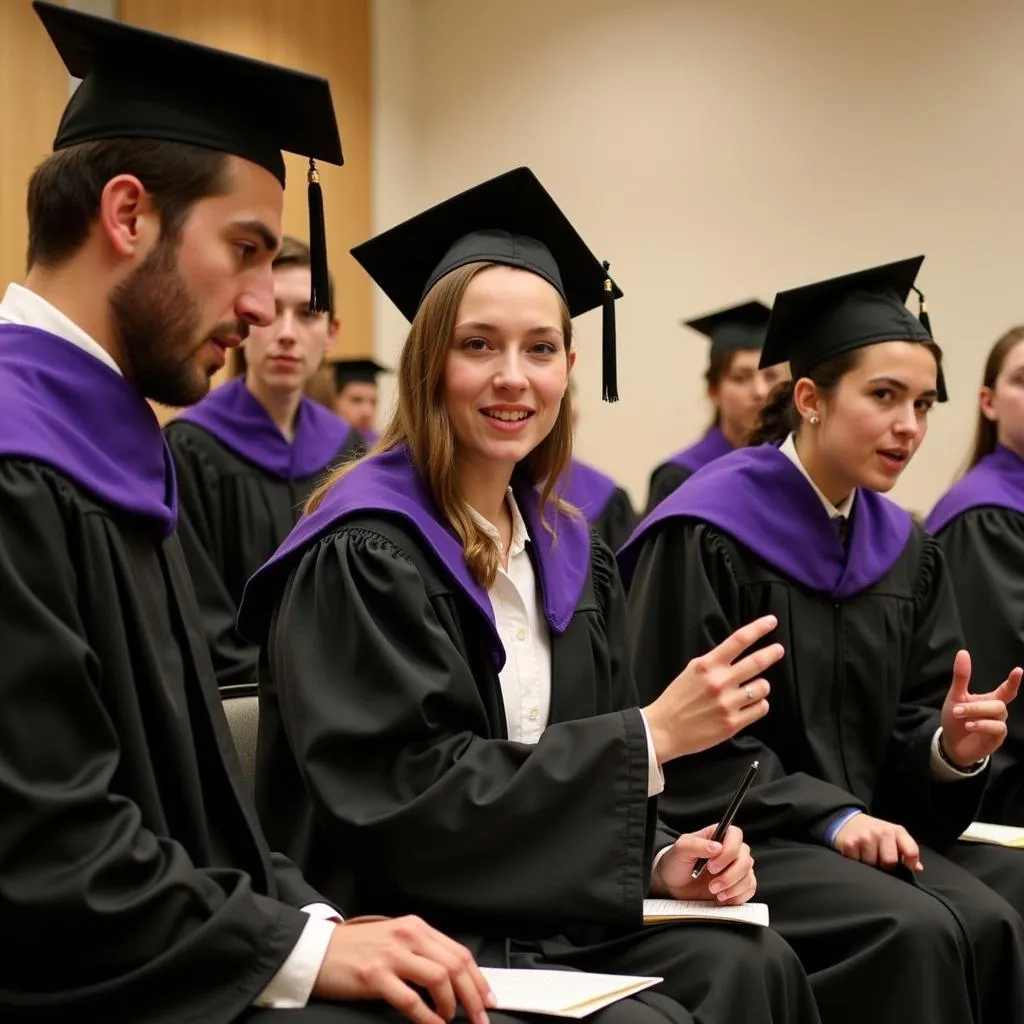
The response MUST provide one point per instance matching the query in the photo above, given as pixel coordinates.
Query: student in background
(874, 757)
(602, 501)
(356, 392)
(737, 387)
(135, 883)
(249, 454)
(448, 721)
(979, 523)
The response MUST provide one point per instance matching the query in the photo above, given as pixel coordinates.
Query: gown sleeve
(384, 717)
(684, 600)
(664, 480)
(618, 520)
(200, 521)
(984, 550)
(98, 912)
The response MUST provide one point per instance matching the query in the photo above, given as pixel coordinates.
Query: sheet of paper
(996, 835)
(658, 911)
(573, 994)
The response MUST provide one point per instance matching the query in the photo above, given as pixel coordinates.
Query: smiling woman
(865, 754)
(443, 655)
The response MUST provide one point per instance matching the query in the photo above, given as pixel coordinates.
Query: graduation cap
(811, 324)
(738, 327)
(362, 371)
(138, 84)
(511, 220)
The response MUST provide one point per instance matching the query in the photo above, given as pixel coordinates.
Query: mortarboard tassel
(926, 323)
(922, 312)
(319, 299)
(609, 385)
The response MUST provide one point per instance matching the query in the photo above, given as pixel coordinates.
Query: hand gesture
(879, 843)
(383, 959)
(728, 877)
(715, 696)
(974, 724)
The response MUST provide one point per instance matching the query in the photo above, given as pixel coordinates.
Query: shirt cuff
(292, 986)
(657, 858)
(943, 771)
(841, 818)
(655, 776)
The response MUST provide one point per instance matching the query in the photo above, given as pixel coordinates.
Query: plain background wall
(715, 150)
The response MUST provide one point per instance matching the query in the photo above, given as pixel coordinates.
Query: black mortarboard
(738, 327)
(817, 321)
(138, 84)
(362, 370)
(510, 219)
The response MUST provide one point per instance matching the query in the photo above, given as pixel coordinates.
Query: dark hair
(986, 433)
(293, 253)
(65, 189)
(779, 417)
(718, 369)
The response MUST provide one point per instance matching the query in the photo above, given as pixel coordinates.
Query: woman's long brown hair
(986, 433)
(420, 420)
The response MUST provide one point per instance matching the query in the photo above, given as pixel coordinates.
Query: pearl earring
(814, 421)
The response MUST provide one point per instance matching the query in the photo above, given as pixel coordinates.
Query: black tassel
(922, 312)
(926, 323)
(320, 294)
(609, 372)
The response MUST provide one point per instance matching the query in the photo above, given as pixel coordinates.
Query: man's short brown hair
(65, 189)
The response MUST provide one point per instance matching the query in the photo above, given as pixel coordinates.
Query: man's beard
(158, 321)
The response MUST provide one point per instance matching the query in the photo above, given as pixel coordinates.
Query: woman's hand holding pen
(715, 696)
(729, 877)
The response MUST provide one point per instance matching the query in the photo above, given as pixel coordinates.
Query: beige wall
(33, 90)
(720, 149)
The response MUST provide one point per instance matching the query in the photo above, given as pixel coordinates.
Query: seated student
(356, 393)
(449, 721)
(979, 523)
(737, 387)
(248, 456)
(874, 756)
(135, 884)
(604, 504)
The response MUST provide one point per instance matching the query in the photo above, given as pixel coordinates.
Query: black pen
(730, 813)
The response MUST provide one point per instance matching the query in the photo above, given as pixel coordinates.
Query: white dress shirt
(525, 679)
(941, 768)
(290, 988)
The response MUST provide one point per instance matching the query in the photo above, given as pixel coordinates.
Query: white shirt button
(520, 633)
(533, 714)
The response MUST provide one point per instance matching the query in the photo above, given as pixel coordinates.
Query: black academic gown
(617, 521)
(671, 474)
(664, 480)
(135, 883)
(853, 712)
(384, 764)
(980, 526)
(235, 512)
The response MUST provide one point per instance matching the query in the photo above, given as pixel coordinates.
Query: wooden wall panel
(325, 37)
(33, 91)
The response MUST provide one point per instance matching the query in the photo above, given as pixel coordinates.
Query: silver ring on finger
(748, 692)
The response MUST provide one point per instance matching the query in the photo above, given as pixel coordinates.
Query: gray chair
(242, 707)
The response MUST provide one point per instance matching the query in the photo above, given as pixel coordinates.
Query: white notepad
(994, 835)
(560, 993)
(660, 911)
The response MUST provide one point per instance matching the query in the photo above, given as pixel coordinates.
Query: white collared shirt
(525, 678)
(844, 508)
(23, 307)
(941, 769)
(293, 984)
